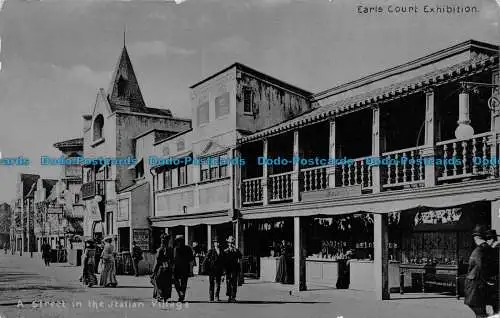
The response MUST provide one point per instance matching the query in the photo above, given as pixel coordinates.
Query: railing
(312, 179)
(280, 187)
(357, 173)
(251, 191)
(403, 167)
(465, 158)
(88, 190)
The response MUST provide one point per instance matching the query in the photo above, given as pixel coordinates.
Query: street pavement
(25, 280)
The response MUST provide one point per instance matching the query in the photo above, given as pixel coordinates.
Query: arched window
(98, 125)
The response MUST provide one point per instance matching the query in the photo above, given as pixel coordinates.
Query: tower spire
(124, 35)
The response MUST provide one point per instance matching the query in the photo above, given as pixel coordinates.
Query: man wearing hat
(491, 239)
(214, 267)
(183, 257)
(136, 257)
(232, 258)
(476, 280)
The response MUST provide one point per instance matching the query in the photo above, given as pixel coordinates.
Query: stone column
(430, 134)
(296, 168)
(265, 188)
(381, 257)
(299, 257)
(332, 154)
(376, 149)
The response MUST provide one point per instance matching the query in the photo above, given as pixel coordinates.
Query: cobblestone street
(25, 279)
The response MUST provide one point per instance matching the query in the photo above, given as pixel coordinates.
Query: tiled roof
(379, 95)
(143, 110)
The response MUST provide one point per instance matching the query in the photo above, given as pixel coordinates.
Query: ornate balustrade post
(330, 172)
(430, 137)
(296, 168)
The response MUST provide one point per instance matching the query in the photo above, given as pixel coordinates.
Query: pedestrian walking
(5, 247)
(108, 274)
(98, 251)
(214, 267)
(136, 257)
(232, 258)
(88, 277)
(284, 273)
(162, 271)
(476, 280)
(46, 251)
(183, 258)
(493, 265)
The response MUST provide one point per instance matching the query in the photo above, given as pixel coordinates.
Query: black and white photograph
(249, 158)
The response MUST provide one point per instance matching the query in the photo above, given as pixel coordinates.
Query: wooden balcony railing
(315, 178)
(406, 167)
(88, 190)
(357, 173)
(280, 187)
(466, 158)
(251, 191)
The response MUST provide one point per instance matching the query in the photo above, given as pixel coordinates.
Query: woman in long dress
(162, 272)
(108, 275)
(88, 276)
(284, 275)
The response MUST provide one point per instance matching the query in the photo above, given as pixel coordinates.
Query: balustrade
(251, 191)
(403, 167)
(312, 179)
(280, 187)
(355, 173)
(465, 158)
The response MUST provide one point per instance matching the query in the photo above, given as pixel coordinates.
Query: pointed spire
(124, 35)
(124, 89)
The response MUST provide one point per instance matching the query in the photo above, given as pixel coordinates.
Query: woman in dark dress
(284, 275)
(162, 272)
(88, 276)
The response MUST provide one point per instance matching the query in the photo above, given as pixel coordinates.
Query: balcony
(408, 168)
(93, 188)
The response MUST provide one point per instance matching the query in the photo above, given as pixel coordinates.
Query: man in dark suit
(136, 257)
(183, 257)
(476, 280)
(214, 267)
(232, 259)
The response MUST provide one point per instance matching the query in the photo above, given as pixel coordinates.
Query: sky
(56, 54)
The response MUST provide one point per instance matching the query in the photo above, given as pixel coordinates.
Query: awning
(378, 203)
(192, 220)
(131, 167)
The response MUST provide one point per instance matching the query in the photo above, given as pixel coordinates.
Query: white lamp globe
(464, 131)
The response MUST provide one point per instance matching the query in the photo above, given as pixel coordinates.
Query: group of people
(481, 282)
(173, 265)
(95, 261)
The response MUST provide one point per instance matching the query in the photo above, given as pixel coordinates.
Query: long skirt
(108, 275)
(284, 274)
(162, 283)
(88, 276)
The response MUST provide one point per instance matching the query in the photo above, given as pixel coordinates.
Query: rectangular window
(247, 100)
(204, 173)
(223, 167)
(203, 113)
(77, 198)
(222, 105)
(167, 179)
(183, 175)
(161, 179)
(139, 170)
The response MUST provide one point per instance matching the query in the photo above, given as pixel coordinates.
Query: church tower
(124, 89)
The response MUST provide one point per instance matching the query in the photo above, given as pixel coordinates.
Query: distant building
(5, 222)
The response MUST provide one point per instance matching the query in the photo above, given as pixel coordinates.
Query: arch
(98, 126)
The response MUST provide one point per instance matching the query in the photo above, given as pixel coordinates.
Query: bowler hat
(480, 230)
(230, 239)
(491, 234)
